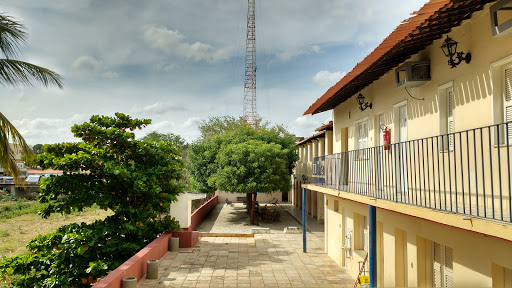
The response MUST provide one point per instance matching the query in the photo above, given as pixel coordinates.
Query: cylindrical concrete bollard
(174, 244)
(152, 269)
(129, 282)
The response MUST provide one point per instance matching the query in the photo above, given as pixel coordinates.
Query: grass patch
(24, 224)
(11, 209)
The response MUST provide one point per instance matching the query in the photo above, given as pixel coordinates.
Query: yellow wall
(471, 82)
(474, 254)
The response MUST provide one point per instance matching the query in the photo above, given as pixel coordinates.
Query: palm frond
(15, 72)
(12, 33)
(9, 133)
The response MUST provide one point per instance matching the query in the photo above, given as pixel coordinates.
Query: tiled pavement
(267, 260)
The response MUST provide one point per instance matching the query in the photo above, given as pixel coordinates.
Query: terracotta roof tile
(434, 19)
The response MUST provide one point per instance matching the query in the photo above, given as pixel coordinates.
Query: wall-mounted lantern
(449, 48)
(363, 105)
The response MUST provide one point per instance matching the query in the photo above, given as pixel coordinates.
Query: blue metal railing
(466, 172)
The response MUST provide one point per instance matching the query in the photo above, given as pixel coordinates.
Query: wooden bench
(241, 199)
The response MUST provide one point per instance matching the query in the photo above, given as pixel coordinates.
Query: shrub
(137, 180)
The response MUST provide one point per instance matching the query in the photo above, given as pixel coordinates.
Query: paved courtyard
(265, 260)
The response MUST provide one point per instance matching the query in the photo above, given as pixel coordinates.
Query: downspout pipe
(304, 220)
(372, 223)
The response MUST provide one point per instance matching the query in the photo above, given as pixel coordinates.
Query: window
(501, 77)
(400, 122)
(442, 270)
(446, 104)
(360, 232)
(507, 98)
(361, 144)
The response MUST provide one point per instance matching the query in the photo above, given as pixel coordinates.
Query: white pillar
(182, 208)
(328, 142)
(315, 148)
(321, 147)
(310, 152)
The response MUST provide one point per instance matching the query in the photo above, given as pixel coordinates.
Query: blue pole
(304, 220)
(372, 222)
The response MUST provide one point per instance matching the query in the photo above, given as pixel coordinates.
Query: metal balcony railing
(466, 172)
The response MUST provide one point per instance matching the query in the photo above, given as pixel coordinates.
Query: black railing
(465, 172)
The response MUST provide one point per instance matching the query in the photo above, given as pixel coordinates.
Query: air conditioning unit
(412, 74)
(501, 18)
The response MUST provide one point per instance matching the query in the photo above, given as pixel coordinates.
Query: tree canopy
(175, 139)
(243, 160)
(250, 167)
(135, 179)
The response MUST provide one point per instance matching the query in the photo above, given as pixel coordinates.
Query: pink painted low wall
(188, 239)
(201, 212)
(137, 265)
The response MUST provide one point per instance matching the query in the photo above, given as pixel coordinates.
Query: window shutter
(451, 123)
(448, 267)
(362, 138)
(437, 266)
(508, 100)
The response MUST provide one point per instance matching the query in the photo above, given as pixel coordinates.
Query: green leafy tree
(12, 73)
(38, 148)
(214, 126)
(176, 140)
(251, 167)
(135, 179)
(212, 167)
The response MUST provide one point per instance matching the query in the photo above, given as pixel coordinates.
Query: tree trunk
(248, 203)
(254, 217)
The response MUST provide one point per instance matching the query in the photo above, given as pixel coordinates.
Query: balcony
(466, 172)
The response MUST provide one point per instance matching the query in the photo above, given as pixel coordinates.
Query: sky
(180, 61)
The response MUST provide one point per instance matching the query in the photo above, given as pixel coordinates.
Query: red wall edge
(188, 239)
(136, 266)
(201, 212)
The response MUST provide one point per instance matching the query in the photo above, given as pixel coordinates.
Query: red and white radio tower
(250, 115)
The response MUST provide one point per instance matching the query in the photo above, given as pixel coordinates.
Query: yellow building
(442, 186)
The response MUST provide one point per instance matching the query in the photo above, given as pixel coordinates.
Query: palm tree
(13, 73)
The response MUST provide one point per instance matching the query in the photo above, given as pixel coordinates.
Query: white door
(402, 136)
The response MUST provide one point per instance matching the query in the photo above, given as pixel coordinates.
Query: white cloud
(293, 53)
(304, 126)
(48, 130)
(316, 49)
(110, 75)
(326, 78)
(162, 108)
(21, 97)
(86, 65)
(171, 41)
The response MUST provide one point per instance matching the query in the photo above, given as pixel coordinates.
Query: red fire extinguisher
(387, 138)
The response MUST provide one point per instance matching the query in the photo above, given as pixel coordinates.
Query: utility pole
(250, 114)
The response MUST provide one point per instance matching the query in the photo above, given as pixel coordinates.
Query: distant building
(432, 153)
(18, 153)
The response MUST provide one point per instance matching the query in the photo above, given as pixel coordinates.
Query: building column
(320, 200)
(372, 243)
(304, 226)
(328, 142)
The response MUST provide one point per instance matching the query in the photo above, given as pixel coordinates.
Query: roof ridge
(420, 17)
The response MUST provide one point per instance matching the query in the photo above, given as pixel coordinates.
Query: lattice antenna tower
(250, 114)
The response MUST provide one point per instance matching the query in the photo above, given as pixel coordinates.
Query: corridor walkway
(264, 260)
